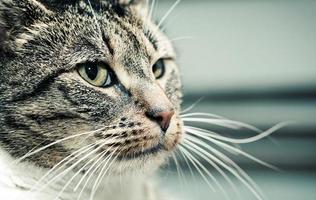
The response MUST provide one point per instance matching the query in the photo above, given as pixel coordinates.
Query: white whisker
(234, 172)
(200, 130)
(74, 155)
(96, 162)
(179, 170)
(199, 114)
(102, 173)
(223, 122)
(57, 177)
(151, 11)
(180, 38)
(54, 143)
(168, 13)
(190, 146)
(204, 154)
(240, 176)
(107, 169)
(228, 163)
(77, 173)
(231, 148)
(192, 106)
(193, 161)
(237, 141)
(96, 165)
(95, 17)
(188, 164)
(166, 41)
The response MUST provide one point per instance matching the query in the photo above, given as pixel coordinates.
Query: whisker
(210, 134)
(179, 170)
(57, 177)
(97, 164)
(250, 184)
(102, 173)
(171, 21)
(238, 141)
(150, 15)
(193, 160)
(100, 155)
(203, 154)
(227, 162)
(199, 114)
(200, 130)
(180, 38)
(106, 171)
(230, 163)
(54, 143)
(223, 122)
(74, 155)
(193, 148)
(192, 106)
(108, 168)
(95, 17)
(226, 146)
(188, 164)
(159, 42)
(168, 13)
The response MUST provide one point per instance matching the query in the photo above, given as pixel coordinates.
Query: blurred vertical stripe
(253, 61)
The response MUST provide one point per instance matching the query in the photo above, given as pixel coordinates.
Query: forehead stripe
(106, 40)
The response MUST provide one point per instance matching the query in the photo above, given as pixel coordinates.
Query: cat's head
(96, 79)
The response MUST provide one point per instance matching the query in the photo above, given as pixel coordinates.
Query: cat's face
(105, 79)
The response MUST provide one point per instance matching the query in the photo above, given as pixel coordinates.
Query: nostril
(163, 118)
(159, 119)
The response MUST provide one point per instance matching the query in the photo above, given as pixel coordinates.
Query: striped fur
(44, 100)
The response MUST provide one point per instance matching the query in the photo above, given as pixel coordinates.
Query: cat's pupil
(92, 71)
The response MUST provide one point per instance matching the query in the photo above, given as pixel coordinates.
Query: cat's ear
(16, 16)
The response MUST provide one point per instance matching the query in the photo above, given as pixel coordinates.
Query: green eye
(96, 74)
(159, 69)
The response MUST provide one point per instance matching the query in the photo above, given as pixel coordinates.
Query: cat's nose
(163, 118)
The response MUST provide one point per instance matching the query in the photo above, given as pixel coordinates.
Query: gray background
(252, 61)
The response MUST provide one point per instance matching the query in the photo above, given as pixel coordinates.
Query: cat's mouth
(146, 143)
(146, 152)
(167, 146)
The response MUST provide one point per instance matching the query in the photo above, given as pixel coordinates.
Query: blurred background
(252, 61)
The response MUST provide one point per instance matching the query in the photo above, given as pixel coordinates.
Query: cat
(90, 105)
(91, 87)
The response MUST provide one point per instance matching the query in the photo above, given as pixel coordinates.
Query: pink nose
(162, 118)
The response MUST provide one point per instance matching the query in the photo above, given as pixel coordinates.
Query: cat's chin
(143, 164)
(148, 161)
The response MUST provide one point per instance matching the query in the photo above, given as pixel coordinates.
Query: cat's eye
(159, 69)
(96, 73)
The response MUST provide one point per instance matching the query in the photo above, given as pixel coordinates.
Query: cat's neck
(18, 180)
